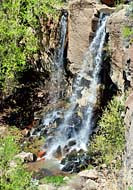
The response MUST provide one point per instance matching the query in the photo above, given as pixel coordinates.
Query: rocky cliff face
(120, 50)
(83, 19)
(128, 160)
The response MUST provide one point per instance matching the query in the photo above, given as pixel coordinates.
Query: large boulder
(90, 174)
(26, 157)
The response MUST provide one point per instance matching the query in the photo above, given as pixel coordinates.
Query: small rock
(26, 157)
(91, 174)
(71, 143)
(104, 166)
(41, 153)
(58, 153)
(90, 185)
(66, 178)
(3, 131)
(26, 133)
(46, 187)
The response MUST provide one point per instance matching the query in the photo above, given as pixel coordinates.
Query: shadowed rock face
(108, 2)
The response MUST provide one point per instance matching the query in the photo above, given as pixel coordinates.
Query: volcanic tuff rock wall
(120, 50)
(83, 19)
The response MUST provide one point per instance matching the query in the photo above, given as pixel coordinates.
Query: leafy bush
(118, 2)
(19, 33)
(108, 144)
(127, 32)
(56, 180)
(12, 177)
(130, 188)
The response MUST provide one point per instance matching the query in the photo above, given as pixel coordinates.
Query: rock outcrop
(83, 19)
(120, 50)
(128, 159)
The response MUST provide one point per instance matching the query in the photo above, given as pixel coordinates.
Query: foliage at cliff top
(19, 33)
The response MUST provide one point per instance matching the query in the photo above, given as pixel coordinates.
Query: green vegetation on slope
(13, 175)
(56, 180)
(108, 143)
(19, 33)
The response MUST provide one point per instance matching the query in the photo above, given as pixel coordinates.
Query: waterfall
(58, 63)
(72, 128)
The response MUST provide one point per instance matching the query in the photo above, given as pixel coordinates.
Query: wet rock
(66, 149)
(91, 174)
(75, 121)
(69, 132)
(72, 143)
(41, 153)
(75, 162)
(71, 166)
(58, 152)
(46, 187)
(26, 157)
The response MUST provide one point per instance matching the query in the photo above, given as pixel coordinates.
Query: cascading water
(77, 130)
(57, 74)
(58, 66)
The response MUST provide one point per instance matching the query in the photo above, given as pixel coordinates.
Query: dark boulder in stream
(75, 162)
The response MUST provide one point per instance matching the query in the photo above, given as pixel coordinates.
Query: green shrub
(118, 2)
(12, 177)
(109, 142)
(56, 180)
(19, 33)
(130, 188)
(127, 32)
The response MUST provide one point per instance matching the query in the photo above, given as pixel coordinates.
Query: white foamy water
(58, 67)
(68, 130)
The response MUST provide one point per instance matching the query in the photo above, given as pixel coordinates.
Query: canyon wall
(83, 19)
